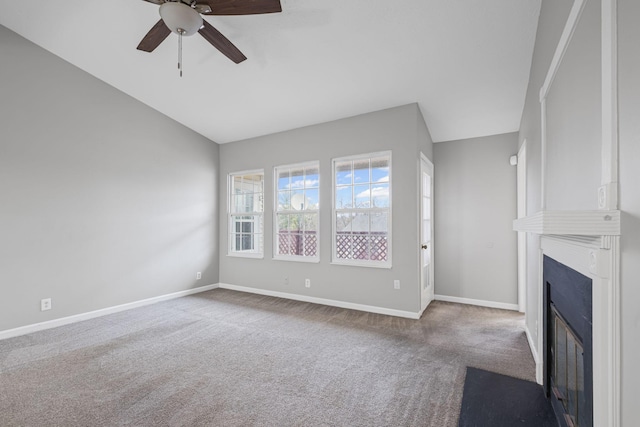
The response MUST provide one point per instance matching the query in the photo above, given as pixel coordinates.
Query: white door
(426, 233)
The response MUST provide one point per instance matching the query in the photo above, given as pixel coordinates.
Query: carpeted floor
(224, 358)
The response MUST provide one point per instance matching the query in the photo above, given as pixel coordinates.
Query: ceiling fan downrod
(180, 33)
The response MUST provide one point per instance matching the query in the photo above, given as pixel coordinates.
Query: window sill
(297, 259)
(386, 266)
(245, 255)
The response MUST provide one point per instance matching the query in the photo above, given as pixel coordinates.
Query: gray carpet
(224, 358)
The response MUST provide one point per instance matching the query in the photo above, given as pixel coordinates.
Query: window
(246, 198)
(296, 212)
(362, 210)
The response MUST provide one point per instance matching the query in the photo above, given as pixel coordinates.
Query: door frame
(425, 297)
(521, 173)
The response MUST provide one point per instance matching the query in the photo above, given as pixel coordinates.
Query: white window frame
(334, 211)
(259, 215)
(276, 231)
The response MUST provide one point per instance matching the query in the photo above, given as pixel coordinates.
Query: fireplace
(568, 343)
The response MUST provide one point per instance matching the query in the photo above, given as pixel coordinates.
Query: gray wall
(629, 105)
(574, 116)
(400, 130)
(103, 201)
(553, 15)
(475, 204)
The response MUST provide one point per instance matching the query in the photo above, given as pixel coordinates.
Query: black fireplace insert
(568, 341)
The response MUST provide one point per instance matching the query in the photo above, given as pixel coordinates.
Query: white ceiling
(466, 62)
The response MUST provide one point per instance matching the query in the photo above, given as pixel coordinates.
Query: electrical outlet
(198, 275)
(307, 283)
(45, 304)
(396, 284)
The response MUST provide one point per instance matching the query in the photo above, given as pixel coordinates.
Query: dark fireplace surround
(568, 343)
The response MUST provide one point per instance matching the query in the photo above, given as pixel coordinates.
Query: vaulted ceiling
(465, 62)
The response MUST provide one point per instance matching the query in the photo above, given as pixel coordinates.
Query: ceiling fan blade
(155, 1)
(154, 37)
(203, 8)
(221, 43)
(242, 7)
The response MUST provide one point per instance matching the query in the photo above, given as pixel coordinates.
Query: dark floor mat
(494, 400)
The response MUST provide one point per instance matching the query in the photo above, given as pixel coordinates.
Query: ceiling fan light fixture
(180, 18)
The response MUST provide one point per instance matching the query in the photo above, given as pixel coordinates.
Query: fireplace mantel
(571, 223)
(588, 242)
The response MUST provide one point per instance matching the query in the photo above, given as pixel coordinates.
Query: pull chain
(180, 32)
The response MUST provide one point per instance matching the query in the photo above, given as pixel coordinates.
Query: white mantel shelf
(576, 223)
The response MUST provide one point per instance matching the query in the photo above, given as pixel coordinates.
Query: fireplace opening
(568, 378)
(567, 371)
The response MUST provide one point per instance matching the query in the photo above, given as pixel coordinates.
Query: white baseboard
(534, 353)
(482, 303)
(323, 301)
(23, 330)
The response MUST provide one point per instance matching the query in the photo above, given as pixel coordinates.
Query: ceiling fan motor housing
(180, 18)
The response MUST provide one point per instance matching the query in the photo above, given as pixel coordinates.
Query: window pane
(296, 244)
(297, 200)
(283, 180)
(312, 198)
(343, 222)
(362, 196)
(297, 178)
(380, 222)
(360, 223)
(378, 247)
(380, 169)
(361, 171)
(343, 197)
(247, 227)
(426, 230)
(283, 244)
(311, 223)
(426, 185)
(426, 208)
(258, 184)
(246, 242)
(312, 177)
(343, 246)
(237, 184)
(380, 195)
(360, 246)
(284, 200)
(344, 174)
(283, 222)
(237, 201)
(310, 244)
(296, 222)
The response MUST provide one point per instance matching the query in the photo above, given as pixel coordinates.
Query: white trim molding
(534, 353)
(582, 223)
(478, 302)
(23, 330)
(596, 259)
(569, 28)
(608, 192)
(323, 301)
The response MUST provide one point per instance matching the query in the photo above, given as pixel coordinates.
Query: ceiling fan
(183, 17)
